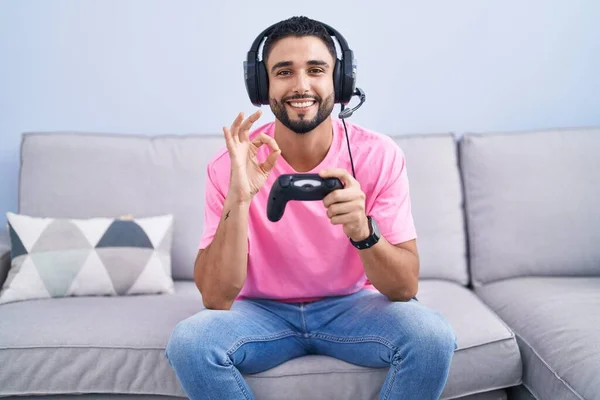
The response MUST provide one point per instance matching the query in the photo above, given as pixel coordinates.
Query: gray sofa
(509, 235)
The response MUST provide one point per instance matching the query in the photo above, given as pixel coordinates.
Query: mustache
(301, 97)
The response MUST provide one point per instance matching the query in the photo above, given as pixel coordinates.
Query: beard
(302, 125)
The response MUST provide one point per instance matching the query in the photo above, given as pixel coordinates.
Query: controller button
(284, 181)
(330, 183)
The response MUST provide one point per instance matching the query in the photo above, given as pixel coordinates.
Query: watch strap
(370, 241)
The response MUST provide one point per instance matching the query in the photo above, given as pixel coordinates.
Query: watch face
(374, 227)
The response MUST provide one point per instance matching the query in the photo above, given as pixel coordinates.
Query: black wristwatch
(372, 239)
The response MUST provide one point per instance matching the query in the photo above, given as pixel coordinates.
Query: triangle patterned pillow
(60, 257)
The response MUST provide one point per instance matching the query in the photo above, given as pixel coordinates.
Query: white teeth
(302, 104)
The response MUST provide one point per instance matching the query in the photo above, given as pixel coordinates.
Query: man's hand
(347, 206)
(248, 174)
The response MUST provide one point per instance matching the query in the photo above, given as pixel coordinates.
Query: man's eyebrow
(318, 62)
(281, 64)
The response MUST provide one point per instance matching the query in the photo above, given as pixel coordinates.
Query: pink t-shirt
(303, 257)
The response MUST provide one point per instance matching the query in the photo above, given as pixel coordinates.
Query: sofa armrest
(4, 256)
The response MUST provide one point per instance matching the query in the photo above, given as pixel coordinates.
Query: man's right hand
(248, 175)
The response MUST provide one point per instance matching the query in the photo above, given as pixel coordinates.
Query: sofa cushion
(116, 345)
(487, 356)
(58, 257)
(436, 198)
(155, 175)
(557, 324)
(92, 344)
(532, 203)
(85, 175)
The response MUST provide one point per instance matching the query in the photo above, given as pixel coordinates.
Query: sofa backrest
(437, 205)
(82, 175)
(532, 203)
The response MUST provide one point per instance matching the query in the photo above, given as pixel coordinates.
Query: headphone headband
(332, 32)
(256, 76)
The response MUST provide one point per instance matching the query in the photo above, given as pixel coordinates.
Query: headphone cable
(348, 143)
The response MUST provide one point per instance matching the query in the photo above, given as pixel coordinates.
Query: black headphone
(257, 79)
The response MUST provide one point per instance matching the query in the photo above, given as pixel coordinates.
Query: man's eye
(283, 72)
(316, 71)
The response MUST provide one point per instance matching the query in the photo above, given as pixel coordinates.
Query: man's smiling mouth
(301, 103)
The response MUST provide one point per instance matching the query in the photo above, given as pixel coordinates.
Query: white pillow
(60, 257)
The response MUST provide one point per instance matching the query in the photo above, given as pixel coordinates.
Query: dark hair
(298, 26)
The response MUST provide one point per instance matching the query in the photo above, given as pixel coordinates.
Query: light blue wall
(176, 66)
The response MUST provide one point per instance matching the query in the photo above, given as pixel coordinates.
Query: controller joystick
(299, 187)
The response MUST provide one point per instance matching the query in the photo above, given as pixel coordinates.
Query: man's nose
(302, 83)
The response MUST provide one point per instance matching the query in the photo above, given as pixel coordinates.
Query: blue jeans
(210, 350)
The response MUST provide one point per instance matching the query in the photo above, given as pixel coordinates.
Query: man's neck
(303, 152)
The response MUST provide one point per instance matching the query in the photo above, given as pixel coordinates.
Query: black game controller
(303, 187)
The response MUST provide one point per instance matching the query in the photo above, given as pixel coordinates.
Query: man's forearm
(220, 269)
(392, 270)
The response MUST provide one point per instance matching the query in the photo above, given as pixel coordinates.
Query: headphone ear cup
(338, 84)
(349, 76)
(263, 83)
(251, 80)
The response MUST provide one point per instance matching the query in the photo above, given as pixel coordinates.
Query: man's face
(301, 82)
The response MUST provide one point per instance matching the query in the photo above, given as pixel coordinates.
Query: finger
(228, 138)
(247, 124)
(271, 160)
(263, 138)
(340, 173)
(274, 154)
(234, 128)
(342, 196)
(342, 219)
(343, 208)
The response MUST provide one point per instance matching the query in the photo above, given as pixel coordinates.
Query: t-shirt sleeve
(213, 208)
(391, 207)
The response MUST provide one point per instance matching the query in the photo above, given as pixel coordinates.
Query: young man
(274, 291)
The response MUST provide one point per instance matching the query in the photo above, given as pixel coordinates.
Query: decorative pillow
(53, 257)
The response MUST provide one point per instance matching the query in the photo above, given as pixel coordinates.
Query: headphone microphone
(346, 113)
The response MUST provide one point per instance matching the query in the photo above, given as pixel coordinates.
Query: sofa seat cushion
(116, 345)
(92, 344)
(557, 323)
(487, 356)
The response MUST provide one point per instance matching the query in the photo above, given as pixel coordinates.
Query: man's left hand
(347, 206)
